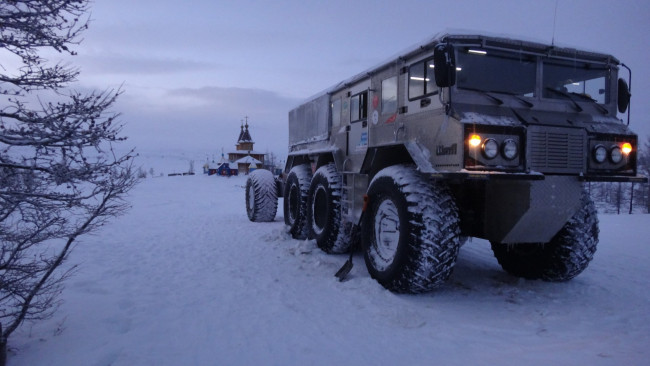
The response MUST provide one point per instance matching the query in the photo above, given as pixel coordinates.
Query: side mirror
(623, 96)
(444, 61)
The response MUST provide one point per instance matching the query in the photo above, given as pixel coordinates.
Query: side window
(421, 80)
(389, 95)
(336, 112)
(359, 107)
(416, 80)
(363, 106)
(354, 108)
(430, 80)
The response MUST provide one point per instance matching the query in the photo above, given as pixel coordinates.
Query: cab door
(358, 129)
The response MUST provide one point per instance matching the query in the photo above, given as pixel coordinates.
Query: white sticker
(375, 117)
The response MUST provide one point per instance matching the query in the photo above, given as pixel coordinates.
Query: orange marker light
(626, 148)
(474, 140)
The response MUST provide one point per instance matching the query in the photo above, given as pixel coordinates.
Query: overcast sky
(191, 71)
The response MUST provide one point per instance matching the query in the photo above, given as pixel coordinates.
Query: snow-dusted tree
(644, 168)
(59, 174)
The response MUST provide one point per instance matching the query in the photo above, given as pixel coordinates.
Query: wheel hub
(387, 232)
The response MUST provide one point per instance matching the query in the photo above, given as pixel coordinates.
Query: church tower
(245, 142)
(244, 158)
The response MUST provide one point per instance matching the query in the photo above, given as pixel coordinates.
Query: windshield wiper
(567, 96)
(495, 99)
(602, 109)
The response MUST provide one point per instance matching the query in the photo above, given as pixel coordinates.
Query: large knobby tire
(324, 211)
(261, 196)
(410, 231)
(561, 259)
(295, 201)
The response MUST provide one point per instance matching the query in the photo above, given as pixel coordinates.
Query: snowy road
(185, 279)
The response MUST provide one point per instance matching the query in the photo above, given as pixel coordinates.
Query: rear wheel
(261, 196)
(324, 211)
(295, 200)
(561, 259)
(411, 232)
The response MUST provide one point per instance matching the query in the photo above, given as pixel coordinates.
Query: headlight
(600, 153)
(627, 148)
(615, 154)
(509, 149)
(490, 148)
(475, 140)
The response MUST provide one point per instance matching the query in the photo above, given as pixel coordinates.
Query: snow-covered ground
(185, 279)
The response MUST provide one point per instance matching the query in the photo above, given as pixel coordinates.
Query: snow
(171, 283)
(248, 160)
(473, 117)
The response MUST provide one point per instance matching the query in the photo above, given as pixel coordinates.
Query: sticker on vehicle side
(363, 141)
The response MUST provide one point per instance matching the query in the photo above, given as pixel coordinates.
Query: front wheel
(411, 234)
(561, 259)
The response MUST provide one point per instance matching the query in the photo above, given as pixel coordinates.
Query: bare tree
(60, 176)
(612, 197)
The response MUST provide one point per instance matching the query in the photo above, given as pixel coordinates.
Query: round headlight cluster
(490, 148)
(615, 154)
(509, 149)
(600, 153)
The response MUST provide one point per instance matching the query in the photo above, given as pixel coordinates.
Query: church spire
(245, 136)
(241, 133)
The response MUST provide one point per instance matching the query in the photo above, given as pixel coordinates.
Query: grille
(556, 150)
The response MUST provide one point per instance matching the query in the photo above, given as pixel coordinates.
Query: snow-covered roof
(514, 42)
(248, 160)
(214, 165)
(247, 152)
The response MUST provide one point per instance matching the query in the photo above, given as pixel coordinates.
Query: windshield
(576, 78)
(493, 71)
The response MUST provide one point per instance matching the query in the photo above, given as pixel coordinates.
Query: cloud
(139, 65)
(205, 119)
(231, 100)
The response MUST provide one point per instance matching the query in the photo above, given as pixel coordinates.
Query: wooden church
(245, 159)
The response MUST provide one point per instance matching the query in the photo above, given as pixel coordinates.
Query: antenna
(554, 18)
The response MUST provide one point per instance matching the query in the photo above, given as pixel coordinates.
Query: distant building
(222, 167)
(245, 159)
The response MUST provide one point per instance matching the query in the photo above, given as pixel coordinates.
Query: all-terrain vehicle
(462, 136)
